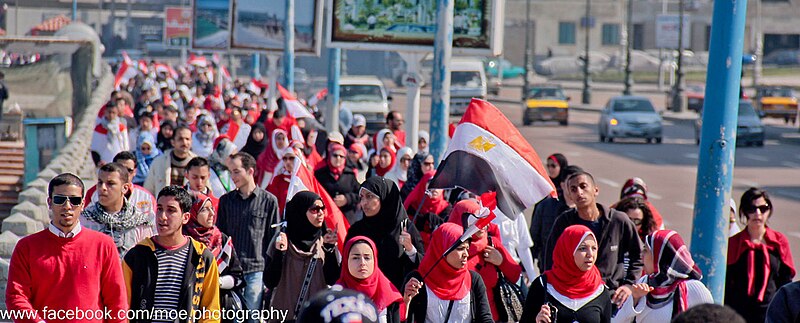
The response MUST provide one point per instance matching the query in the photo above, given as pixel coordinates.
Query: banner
(211, 27)
(177, 26)
(259, 26)
(667, 27)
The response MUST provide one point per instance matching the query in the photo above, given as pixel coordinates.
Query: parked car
(630, 116)
(467, 81)
(749, 129)
(695, 95)
(783, 57)
(545, 103)
(776, 102)
(365, 95)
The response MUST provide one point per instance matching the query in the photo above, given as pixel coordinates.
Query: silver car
(630, 117)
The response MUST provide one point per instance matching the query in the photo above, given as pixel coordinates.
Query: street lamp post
(628, 47)
(527, 80)
(586, 96)
(677, 97)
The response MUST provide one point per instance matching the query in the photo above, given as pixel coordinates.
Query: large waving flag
(303, 180)
(293, 106)
(127, 70)
(488, 154)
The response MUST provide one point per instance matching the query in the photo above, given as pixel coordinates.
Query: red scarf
(673, 266)
(430, 204)
(211, 237)
(476, 246)
(336, 171)
(383, 170)
(565, 276)
(740, 245)
(444, 280)
(377, 287)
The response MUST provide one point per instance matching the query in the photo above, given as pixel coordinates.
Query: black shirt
(248, 221)
(597, 310)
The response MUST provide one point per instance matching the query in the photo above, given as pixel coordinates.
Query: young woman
(671, 285)
(165, 133)
(339, 181)
(427, 209)
(270, 157)
(556, 163)
(361, 273)
(257, 141)
(301, 256)
(146, 152)
(572, 291)
(422, 163)
(399, 245)
(759, 259)
(279, 185)
(487, 255)
(201, 227)
(444, 289)
(640, 215)
(399, 172)
(386, 161)
(203, 139)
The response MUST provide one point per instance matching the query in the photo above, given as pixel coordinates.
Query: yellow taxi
(776, 102)
(545, 103)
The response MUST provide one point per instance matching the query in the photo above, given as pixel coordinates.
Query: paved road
(669, 169)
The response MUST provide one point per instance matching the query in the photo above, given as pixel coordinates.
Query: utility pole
(440, 85)
(628, 48)
(586, 97)
(527, 80)
(718, 145)
(288, 47)
(677, 96)
(759, 52)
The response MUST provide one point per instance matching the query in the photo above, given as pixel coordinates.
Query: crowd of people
(196, 210)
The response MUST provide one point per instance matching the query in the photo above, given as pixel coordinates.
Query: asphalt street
(669, 169)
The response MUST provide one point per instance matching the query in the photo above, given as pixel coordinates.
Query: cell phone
(553, 312)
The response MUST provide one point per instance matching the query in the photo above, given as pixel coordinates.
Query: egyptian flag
(127, 70)
(142, 66)
(293, 106)
(165, 68)
(488, 154)
(312, 101)
(303, 180)
(199, 61)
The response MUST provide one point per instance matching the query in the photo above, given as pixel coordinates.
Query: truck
(467, 81)
(365, 95)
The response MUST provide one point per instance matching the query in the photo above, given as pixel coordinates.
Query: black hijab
(253, 147)
(385, 226)
(300, 232)
(414, 174)
(162, 142)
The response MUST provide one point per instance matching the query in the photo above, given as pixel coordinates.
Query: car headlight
(613, 122)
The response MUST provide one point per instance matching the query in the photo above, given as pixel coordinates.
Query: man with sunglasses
(114, 214)
(82, 265)
(141, 199)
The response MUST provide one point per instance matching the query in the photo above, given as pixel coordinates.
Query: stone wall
(31, 214)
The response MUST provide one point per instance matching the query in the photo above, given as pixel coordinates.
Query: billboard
(177, 26)
(667, 27)
(256, 26)
(410, 25)
(211, 27)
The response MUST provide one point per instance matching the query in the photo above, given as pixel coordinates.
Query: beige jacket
(160, 172)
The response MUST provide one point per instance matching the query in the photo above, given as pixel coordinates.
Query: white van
(365, 95)
(467, 81)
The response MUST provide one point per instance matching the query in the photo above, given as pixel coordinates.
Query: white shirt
(55, 230)
(577, 303)
(437, 309)
(696, 294)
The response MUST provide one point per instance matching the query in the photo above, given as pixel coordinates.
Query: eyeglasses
(752, 209)
(337, 156)
(316, 209)
(61, 199)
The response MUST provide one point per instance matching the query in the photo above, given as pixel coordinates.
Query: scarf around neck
(674, 266)
(126, 219)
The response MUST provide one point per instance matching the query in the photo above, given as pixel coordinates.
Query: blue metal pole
(709, 243)
(440, 96)
(288, 48)
(256, 66)
(74, 10)
(334, 71)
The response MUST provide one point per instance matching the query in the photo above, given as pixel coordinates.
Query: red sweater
(82, 273)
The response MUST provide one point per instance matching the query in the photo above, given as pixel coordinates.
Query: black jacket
(618, 238)
(395, 267)
(736, 295)
(545, 214)
(481, 312)
(597, 310)
(346, 185)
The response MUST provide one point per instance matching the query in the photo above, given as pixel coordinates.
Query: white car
(365, 95)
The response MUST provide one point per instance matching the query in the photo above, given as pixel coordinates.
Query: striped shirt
(248, 222)
(171, 270)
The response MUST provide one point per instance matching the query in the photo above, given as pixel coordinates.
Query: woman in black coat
(385, 221)
(340, 181)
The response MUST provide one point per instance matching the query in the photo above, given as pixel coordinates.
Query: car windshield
(470, 78)
(746, 110)
(633, 105)
(547, 93)
(364, 93)
(778, 93)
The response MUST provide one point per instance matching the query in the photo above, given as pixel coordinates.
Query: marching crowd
(201, 206)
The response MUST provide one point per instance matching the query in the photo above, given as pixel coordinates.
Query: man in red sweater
(66, 273)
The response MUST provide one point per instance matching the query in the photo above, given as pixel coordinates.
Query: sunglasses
(61, 199)
(316, 209)
(753, 209)
(337, 156)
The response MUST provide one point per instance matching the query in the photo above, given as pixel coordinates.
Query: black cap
(337, 305)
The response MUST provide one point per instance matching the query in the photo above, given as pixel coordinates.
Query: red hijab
(336, 171)
(383, 170)
(377, 287)
(430, 204)
(740, 245)
(270, 157)
(211, 237)
(444, 280)
(565, 276)
(457, 216)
